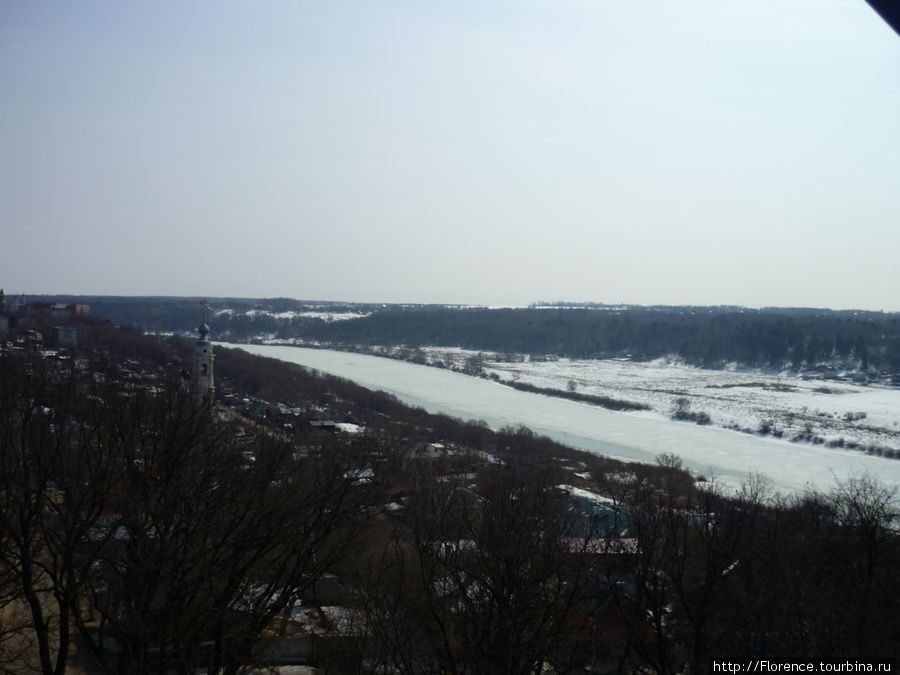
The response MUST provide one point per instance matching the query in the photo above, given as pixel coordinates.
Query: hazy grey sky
(490, 152)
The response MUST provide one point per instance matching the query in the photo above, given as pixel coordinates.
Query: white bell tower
(204, 381)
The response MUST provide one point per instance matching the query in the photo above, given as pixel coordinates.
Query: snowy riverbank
(640, 436)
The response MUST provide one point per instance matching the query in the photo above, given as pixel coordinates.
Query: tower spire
(203, 329)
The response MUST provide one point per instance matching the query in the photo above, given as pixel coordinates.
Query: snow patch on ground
(592, 497)
(324, 315)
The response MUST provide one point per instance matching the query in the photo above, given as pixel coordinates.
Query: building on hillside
(36, 310)
(66, 336)
(203, 376)
(56, 310)
(432, 457)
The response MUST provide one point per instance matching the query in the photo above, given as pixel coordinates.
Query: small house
(432, 457)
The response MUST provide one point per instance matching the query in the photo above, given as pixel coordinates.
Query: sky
(497, 152)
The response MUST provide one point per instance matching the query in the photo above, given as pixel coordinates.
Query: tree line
(703, 336)
(700, 336)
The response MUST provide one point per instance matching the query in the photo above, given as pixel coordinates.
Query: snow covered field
(783, 405)
(641, 436)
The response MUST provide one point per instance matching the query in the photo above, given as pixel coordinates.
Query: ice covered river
(731, 455)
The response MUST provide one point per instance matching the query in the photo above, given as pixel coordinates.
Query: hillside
(709, 337)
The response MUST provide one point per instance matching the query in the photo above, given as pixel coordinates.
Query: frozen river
(730, 455)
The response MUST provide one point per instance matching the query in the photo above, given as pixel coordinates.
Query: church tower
(203, 380)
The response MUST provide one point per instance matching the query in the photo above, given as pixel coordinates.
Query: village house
(433, 457)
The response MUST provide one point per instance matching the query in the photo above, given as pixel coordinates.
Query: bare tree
(134, 516)
(496, 582)
(55, 478)
(212, 540)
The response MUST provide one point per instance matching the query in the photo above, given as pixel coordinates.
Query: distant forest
(709, 337)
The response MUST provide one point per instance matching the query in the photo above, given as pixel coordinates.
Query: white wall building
(203, 375)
